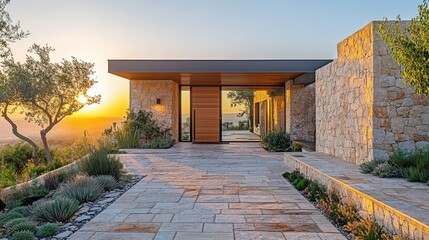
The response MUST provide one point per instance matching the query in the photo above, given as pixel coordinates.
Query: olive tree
(410, 48)
(10, 32)
(243, 98)
(46, 92)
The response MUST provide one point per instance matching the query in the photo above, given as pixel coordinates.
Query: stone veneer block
(364, 111)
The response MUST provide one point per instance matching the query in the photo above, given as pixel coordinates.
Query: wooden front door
(205, 114)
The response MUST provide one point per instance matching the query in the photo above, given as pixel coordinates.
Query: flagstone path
(204, 191)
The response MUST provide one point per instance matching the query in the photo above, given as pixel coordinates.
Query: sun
(82, 99)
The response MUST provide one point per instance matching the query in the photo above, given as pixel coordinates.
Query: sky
(98, 30)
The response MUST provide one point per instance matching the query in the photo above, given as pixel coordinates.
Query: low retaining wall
(41, 179)
(392, 219)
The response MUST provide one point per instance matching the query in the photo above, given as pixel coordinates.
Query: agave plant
(83, 189)
(58, 209)
(108, 182)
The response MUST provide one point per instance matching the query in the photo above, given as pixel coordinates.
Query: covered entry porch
(283, 96)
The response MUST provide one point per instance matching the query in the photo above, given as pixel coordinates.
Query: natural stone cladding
(300, 111)
(364, 111)
(143, 95)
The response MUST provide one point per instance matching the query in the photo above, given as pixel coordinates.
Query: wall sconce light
(158, 101)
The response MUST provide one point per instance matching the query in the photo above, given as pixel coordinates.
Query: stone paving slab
(399, 205)
(195, 191)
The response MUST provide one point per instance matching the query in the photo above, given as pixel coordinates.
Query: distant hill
(65, 133)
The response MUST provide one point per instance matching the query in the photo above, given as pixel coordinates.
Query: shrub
(314, 192)
(302, 184)
(8, 177)
(23, 235)
(385, 170)
(6, 217)
(279, 141)
(16, 155)
(83, 189)
(100, 163)
(14, 222)
(58, 209)
(27, 194)
(368, 167)
(47, 230)
(20, 209)
(337, 211)
(140, 129)
(400, 159)
(161, 143)
(107, 182)
(53, 180)
(366, 229)
(128, 139)
(22, 226)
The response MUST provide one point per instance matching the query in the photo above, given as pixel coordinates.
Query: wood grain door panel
(206, 114)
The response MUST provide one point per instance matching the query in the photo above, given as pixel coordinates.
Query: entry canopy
(219, 72)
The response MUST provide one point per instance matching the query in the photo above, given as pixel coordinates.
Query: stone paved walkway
(223, 191)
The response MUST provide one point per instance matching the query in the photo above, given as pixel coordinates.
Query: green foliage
(22, 226)
(8, 177)
(314, 192)
(368, 167)
(23, 235)
(100, 163)
(141, 130)
(53, 180)
(413, 166)
(107, 182)
(410, 48)
(82, 188)
(15, 221)
(21, 209)
(386, 170)
(6, 217)
(278, 141)
(25, 195)
(161, 143)
(337, 211)
(58, 209)
(128, 139)
(366, 229)
(16, 156)
(302, 184)
(47, 230)
(46, 92)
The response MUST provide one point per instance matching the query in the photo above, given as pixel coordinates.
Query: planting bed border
(383, 214)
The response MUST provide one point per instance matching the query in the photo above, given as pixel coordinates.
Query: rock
(113, 194)
(65, 234)
(107, 200)
(96, 209)
(82, 218)
(84, 209)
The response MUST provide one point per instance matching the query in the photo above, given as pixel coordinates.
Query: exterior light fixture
(158, 101)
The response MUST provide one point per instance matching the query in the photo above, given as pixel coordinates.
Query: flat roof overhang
(219, 72)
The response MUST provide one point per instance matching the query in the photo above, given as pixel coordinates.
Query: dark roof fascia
(216, 66)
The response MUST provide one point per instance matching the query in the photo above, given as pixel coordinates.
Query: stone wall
(363, 110)
(300, 111)
(143, 95)
(401, 117)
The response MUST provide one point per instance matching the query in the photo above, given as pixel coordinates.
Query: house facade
(355, 107)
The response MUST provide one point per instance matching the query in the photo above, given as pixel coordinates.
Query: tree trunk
(45, 146)
(22, 137)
